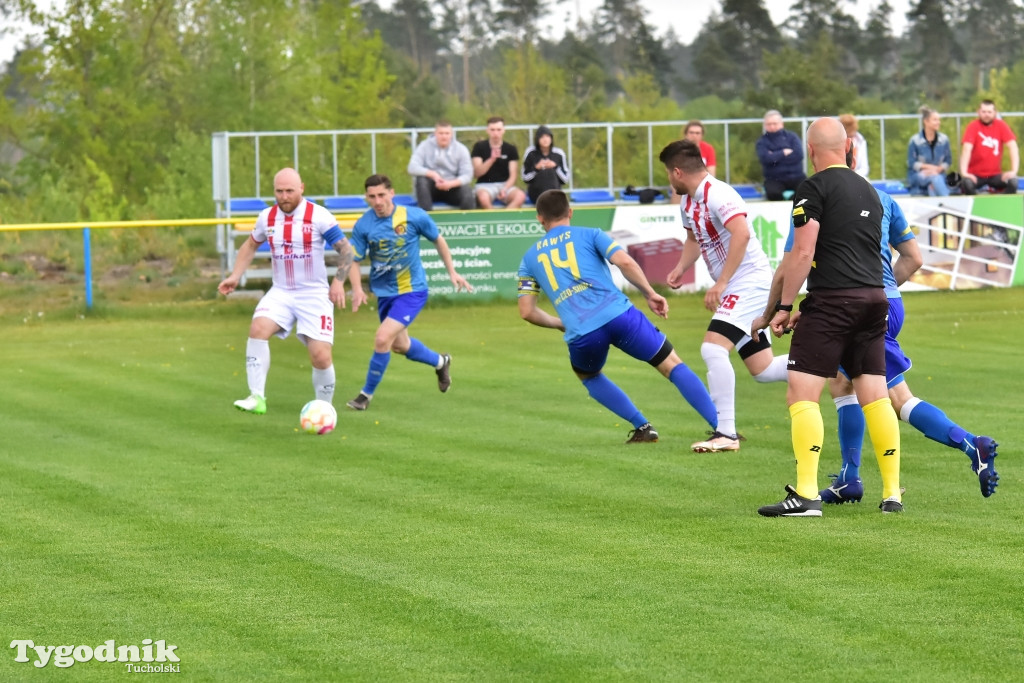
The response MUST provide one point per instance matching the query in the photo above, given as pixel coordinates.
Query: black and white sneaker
(444, 373)
(890, 504)
(794, 505)
(360, 402)
(645, 433)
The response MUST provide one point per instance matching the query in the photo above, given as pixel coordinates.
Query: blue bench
(346, 202)
(890, 187)
(246, 205)
(748, 191)
(592, 197)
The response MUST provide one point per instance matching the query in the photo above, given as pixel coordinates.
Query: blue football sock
(695, 393)
(851, 436)
(421, 354)
(378, 364)
(933, 423)
(608, 394)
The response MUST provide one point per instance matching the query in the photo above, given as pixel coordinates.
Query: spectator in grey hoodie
(443, 170)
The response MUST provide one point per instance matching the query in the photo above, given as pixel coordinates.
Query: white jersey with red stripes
(296, 244)
(705, 214)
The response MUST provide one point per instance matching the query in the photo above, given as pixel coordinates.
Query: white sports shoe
(252, 404)
(716, 443)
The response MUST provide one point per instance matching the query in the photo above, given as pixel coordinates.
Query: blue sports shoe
(983, 457)
(842, 491)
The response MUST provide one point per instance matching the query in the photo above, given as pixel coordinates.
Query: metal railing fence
(600, 155)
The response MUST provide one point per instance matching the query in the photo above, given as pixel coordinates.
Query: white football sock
(257, 365)
(721, 385)
(323, 383)
(777, 370)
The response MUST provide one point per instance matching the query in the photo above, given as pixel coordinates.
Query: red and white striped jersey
(705, 215)
(296, 244)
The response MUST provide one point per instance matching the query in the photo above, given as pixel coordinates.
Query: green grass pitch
(500, 532)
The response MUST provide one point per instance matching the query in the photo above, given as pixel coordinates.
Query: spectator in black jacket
(544, 165)
(781, 153)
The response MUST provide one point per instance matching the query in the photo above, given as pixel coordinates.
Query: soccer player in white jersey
(715, 218)
(297, 231)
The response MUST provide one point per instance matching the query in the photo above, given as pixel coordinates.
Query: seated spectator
(496, 166)
(781, 155)
(981, 157)
(694, 132)
(928, 157)
(443, 170)
(860, 145)
(544, 165)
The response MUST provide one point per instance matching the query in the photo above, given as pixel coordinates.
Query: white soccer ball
(318, 417)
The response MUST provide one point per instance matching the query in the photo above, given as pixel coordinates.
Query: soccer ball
(318, 417)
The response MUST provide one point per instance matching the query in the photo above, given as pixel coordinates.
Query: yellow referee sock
(808, 433)
(884, 429)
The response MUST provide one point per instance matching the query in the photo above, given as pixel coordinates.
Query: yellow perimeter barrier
(345, 222)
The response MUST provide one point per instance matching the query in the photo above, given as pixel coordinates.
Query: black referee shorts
(841, 327)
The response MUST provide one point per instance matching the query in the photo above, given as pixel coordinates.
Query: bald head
(826, 143)
(288, 189)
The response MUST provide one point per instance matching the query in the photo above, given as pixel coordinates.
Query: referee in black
(837, 218)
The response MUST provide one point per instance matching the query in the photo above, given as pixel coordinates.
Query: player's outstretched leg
(441, 362)
(693, 390)
(608, 394)
(933, 423)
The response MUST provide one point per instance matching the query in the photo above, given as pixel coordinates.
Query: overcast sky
(686, 16)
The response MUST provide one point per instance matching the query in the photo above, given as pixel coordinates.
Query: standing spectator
(860, 145)
(297, 231)
(443, 170)
(837, 223)
(715, 219)
(782, 158)
(694, 132)
(389, 236)
(981, 157)
(544, 165)
(570, 265)
(929, 157)
(496, 167)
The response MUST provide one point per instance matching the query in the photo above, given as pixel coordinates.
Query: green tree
(731, 48)
(992, 29)
(816, 88)
(934, 54)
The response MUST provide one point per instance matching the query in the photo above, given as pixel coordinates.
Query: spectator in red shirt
(694, 132)
(981, 158)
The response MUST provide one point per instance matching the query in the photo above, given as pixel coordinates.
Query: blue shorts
(403, 308)
(896, 363)
(630, 332)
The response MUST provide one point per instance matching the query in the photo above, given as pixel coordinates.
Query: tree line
(108, 114)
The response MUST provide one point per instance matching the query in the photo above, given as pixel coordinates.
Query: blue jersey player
(923, 416)
(570, 265)
(389, 236)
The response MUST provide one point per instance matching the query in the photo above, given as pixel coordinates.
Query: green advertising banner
(487, 247)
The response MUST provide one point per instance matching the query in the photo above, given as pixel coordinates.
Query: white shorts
(742, 301)
(493, 189)
(311, 311)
